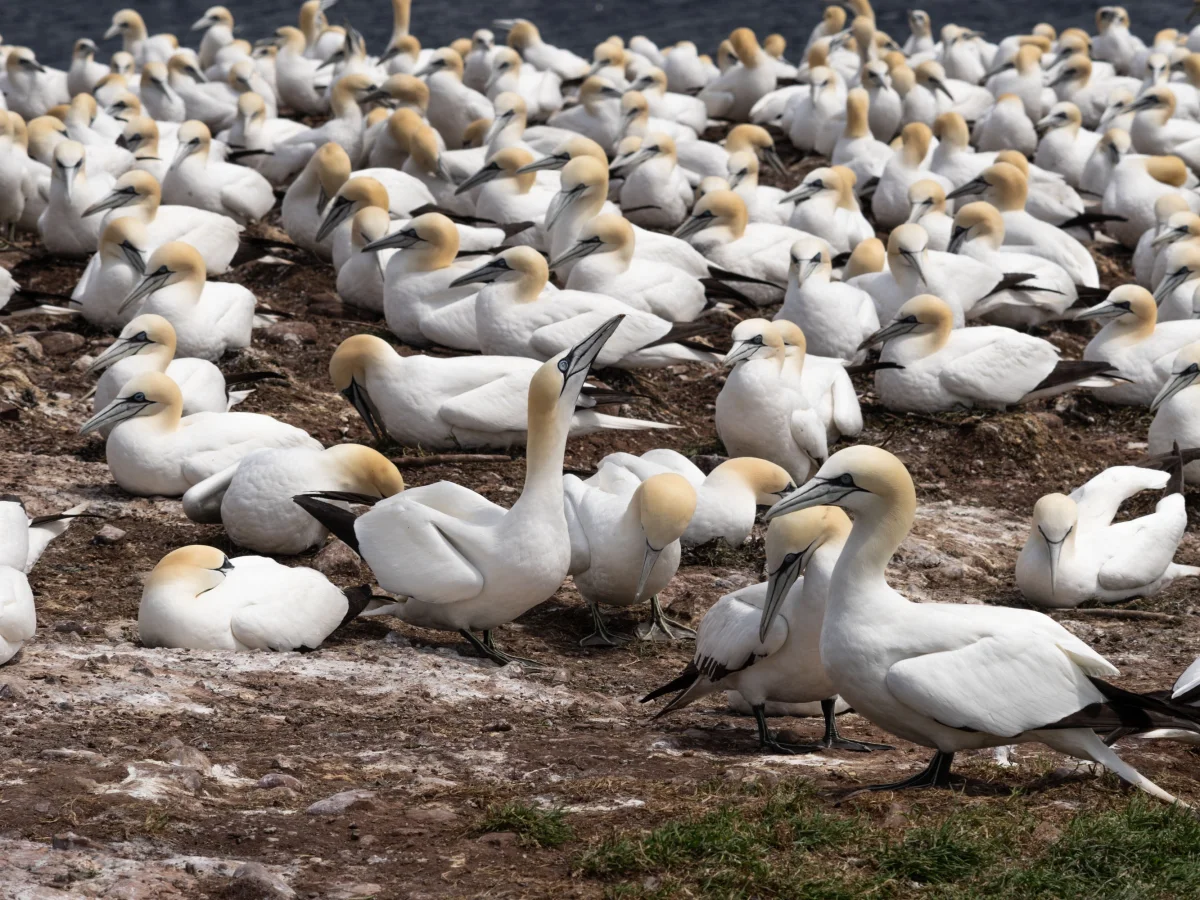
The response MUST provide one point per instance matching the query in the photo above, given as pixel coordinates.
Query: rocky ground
(392, 762)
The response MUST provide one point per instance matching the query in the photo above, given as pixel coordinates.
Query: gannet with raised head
(907, 165)
(482, 565)
(64, 226)
(524, 37)
(84, 72)
(857, 148)
(452, 105)
(826, 207)
(31, 89)
(240, 193)
(823, 381)
(953, 677)
(136, 40)
(835, 316)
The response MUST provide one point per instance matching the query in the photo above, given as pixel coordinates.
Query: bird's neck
(546, 446)
(862, 565)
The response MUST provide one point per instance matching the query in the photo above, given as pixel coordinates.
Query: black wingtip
(58, 517)
(1071, 370)
(242, 378)
(335, 519)
(725, 275)
(1175, 467)
(867, 368)
(680, 683)
(357, 599)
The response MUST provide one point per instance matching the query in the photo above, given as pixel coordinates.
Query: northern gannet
(1024, 78)
(826, 207)
(345, 127)
(857, 148)
(197, 598)
(136, 40)
(928, 200)
(1133, 187)
(209, 317)
(734, 92)
(85, 72)
(159, 99)
(908, 164)
(988, 366)
(477, 65)
(303, 208)
(1006, 127)
(824, 382)
(598, 115)
(946, 676)
(32, 90)
(255, 133)
(812, 119)
(1075, 553)
(1177, 410)
(297, 80)
(682, 108)
(1065, 146)
(685, 69)
(763, 203)
(516, 316)
(761, 410)
(1113, 42)
(507, 197)
(541, 90)
(253, 497)
(1173, 221)
(64, 226)
(764, 641)
(442, 403)
(213, 103)
(655, 193)
(452, 105)
(111, 273)
(360, 277)
(625, 546)
(237, 192)
(835, 316)
(886, 108)
(217, 25)
(482, 565)
(524, 37)
(1175, 291)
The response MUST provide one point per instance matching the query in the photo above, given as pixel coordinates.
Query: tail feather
(719, 290)
(60, 517)
(682, 331)
(1071, 373)
(681, 682)
(357, 599)
(593, 396)
(866, 368)
(336, 519)
(1019, 281)
(725, 275)
(243, 378)
(589, 419)
(1087, 219)
(1132, 713)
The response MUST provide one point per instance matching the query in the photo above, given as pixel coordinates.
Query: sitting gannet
(857, 149)
(524, 37)
(541, 91)
(452, 105)
(625, 545)
(1133, 188)
(928, 201)
(598, 115)
(761, 410)
(442, 403)
(655, 193)
(823, 381)
(507, 197)
(197, 598)
(907, 165)
(517, 316)
(826, 207)
(209, 317)
(238, 192)
(151, 449)
(345, 127)
(1006, 127)
(764, 641)
(734, 92)
(941, 368)
(1075, 553)
(253, 497)
(835, 316)
(1173, 221)
(1177, 410)
(85, 72)
(763, 203)
(1065, 146)
(1136, 344)
(32, 89)
(137, 41)
(254, 135)
(463, 563)
(111, 273)
(952, 677)
(64, 226)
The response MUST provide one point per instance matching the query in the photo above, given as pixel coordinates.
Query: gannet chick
(516, 316)
(151, 451)
(240, 193)
(137, 194)
(209, 317)
(253, 497)
(483, 565)
(835, 316)
(719, 228)
(147, 344)
(761, 411)
(1006, 127)
(952, 677)
(1176, 421)
(443, 403)
(625, 546)
(890, 203)
(825, 207)
(603, 262)
(942, 368)
(1136, 344)
(1075, 553)
(782, 663)
(64, 226)
(1045, 294)
(197, 598)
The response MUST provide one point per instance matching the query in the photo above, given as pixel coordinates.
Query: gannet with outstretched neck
(954, 677)
(463, 563)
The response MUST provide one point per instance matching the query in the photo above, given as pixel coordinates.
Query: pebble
(355, 891)
(290, 332)
(82, 364)
(60, 343)
(342, 802)
(177, 753)
(432, 815)
(397, 639)
(336, 561)
(107, 535)
(28, 344)
(11, 692)
(500, 725)
(499, 838)
(263, 879)
(69, 841)
(278, 779)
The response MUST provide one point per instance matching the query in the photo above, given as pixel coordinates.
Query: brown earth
(127, 772)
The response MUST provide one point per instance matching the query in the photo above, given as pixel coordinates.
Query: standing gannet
(147, 344)
(598, 115)
(734, 92)
(442, 403)
(1006, 187)
(812, 119)
(1136, 344)
(253, 497)
(1074, 552)
(136, 40)
(604, 262)
(237, 192)
(481, 566)
(825, 207)
(32, 90)
(735, 651)
(952, 677)
(1177, 410)
(625, 546)
(759, 252)
(1006, 127)
(761, 410)
(857, 149)
(137, 194)
(452, 105)
(835, 316)
(908, 164)
(152, 450)
(1134, 186)
(1113, 42)
(941, 368)
(524, 37)
(209, 317)
(64, 225)
(655, 193)
(85, 72)
(1047, 291)
(928, 200)
(197, 598)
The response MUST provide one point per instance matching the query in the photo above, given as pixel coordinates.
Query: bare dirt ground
(135, 773)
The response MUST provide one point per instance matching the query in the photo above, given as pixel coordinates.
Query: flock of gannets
(545, 215)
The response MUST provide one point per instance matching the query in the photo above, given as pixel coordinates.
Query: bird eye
(790, 559)
(757, 339)
(141, 336)
(912, 320)
(846, 480)
(563, 365)
(139, 397)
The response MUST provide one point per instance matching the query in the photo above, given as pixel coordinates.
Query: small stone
(60, 343)
(263, 879)
(363, 891)
(107, 535)
(396, 639)
(279, 332)
(560, 676)
(69, 841)
(499, 725)
(278, 779)
(896, 817)
(68, 627)
(28, 344)
(285, 763)
(1046, 833)
(509, 670)
(177, 753)
(11, 692)
(83, 363)
(338, 562)
(499, 838)
(142, 670)
(342, 802)
(432, 815)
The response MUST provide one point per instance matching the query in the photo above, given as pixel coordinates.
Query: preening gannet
(197, 598)
(481, 566)
(947, 676)
(764, 641)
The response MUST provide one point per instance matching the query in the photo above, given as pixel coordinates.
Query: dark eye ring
(139, 397)
(563, 365)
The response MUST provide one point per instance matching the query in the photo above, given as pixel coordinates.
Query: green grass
(786, 844)
(534, 827)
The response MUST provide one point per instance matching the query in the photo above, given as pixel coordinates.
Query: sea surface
(51, 26)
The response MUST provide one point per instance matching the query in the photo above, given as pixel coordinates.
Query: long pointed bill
(1180, 381)
(883, 335)
(201, 23)
(557, 161)
(958, 237)
(498, 124)
(114, 200)
(914, 260)
(1170, 236)
(970, 189)
(579, 251)
(148, 285)
(939, 85)
(771, 158)
(484, 175)
(809, 267)
(361, 401)
(120, 349)
(649, 558)
(185, 150)
(779, 583)
(118, 411)
(818, 492)
(488, 272)
(741, 351)
(68, 177)
(400, 240)
(800, 193)
(694, 225)
(560, 203)
(632, 161)
(1169, 283)
(339, 212)
(1102, 310)
(134, 257)
(919, 210)
(1054, 552)
(578, 360)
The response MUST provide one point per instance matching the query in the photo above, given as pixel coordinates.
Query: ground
(393, 763)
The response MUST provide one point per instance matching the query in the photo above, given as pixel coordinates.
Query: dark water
(51, 26)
